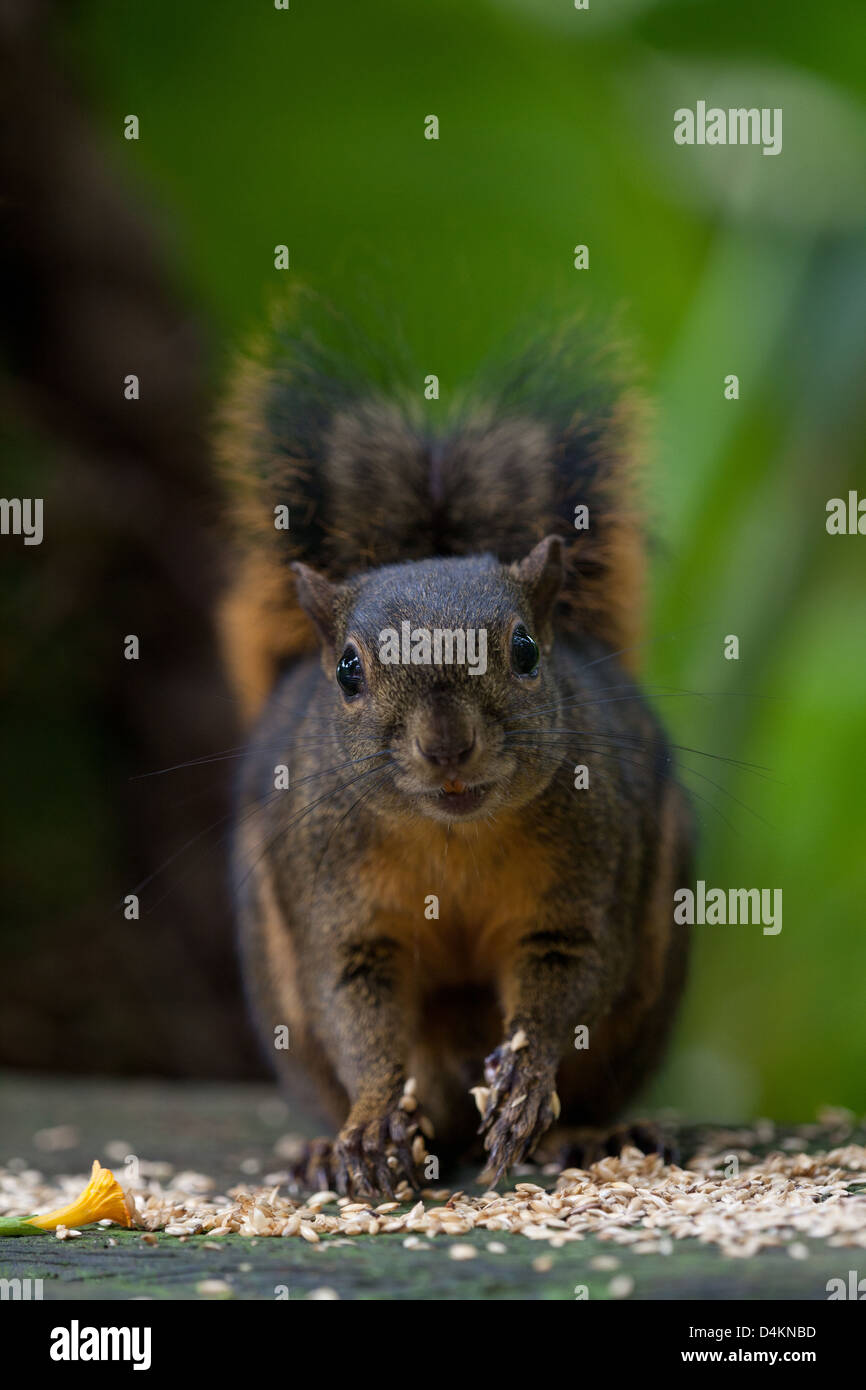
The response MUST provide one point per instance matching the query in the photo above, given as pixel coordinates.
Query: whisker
(350, 762)
(685, 767)
(343, 817)
(632, 740)
(643, 695)
(229, 816)
(649, 642)
(248, 809)
(293, 821)
(248, 812)
(656, 691)
(228, 754)
(689, 791)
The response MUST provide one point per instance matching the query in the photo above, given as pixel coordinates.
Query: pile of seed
(741, 1206)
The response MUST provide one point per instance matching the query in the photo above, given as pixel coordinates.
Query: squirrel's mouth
(457, 799)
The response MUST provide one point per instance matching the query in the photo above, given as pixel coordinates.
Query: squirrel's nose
(444, 752)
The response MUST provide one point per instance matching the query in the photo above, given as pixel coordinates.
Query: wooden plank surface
(232, 1133)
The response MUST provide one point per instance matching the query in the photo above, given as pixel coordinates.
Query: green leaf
(19, 1226)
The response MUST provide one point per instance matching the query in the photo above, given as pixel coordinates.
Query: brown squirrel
(440, 893)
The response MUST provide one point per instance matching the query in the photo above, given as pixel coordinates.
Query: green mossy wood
(214, 1128)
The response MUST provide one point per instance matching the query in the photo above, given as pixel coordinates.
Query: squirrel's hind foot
(580, 1147)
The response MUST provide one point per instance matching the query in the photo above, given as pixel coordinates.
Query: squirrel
(462, 901)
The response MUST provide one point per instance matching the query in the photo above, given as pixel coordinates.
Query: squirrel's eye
(524, 652)
(350, 673)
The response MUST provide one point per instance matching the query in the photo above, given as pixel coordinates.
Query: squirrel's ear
(317, 596)
(541, 573)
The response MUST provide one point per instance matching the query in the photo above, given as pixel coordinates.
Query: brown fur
(376, 487)
(554, 906)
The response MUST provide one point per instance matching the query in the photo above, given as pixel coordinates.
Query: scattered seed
(784, 1200)
(621, 1286)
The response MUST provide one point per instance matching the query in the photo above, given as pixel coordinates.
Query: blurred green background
(306, 127)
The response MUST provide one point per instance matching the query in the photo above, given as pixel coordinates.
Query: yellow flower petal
(102, 1198)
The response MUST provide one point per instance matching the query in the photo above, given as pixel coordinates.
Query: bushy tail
(372, 473)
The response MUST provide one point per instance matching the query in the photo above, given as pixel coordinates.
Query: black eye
(350, 673)
(524, 652)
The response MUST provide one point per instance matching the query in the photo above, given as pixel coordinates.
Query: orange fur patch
(486, 898)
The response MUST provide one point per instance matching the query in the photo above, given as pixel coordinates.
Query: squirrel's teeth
(454, 786)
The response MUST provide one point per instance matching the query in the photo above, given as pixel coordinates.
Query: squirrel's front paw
(517, 1104)
(374, 1156)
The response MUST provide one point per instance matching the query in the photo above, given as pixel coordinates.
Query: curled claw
(369, 1157)
(499, 1071)
(352, 1175)
(312, 1167)
(402, 1132)
(341, 1172)
(379, 1156)
(513, 1136)
(375, 1147)
(318, 1172)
